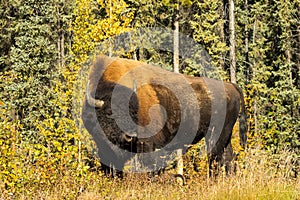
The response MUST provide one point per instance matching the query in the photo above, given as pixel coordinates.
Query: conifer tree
(208, 30)
(32, 58)
(283, 87)
(268, 59)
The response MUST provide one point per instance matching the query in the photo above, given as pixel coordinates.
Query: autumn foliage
(46, 49)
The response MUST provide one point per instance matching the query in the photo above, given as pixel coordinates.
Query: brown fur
(106, 73)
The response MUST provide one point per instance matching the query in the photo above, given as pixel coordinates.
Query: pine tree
(267, 58)
(32, 58)
(208, 30)
(283, 89)
(36, 119)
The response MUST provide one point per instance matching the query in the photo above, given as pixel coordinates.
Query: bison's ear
(129, 136)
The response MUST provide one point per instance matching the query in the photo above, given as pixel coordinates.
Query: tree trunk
(247, 45)
(232, 42)
(254, 95)
(222, 33)
(179, 168)
(62, 46)
(110, 21)
(176, 70)
(58, 50)
(298, 55)
(289, 64)
(176, 40)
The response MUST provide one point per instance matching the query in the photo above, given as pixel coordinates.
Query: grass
(256, 178)
(198, 188)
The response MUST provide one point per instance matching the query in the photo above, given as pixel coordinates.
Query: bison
(132, 108)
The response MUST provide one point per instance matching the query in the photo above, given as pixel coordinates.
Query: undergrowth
(258, 176)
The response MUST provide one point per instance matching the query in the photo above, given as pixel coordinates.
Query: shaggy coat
(141, 88)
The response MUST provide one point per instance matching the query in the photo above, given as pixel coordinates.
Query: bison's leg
(111, 171)
(213, 165)
(219, 150)
(214, 154)
(228, 158)
(221, 155)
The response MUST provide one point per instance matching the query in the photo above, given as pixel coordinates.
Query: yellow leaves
(59, 153)
(116, 21)
(59, 149)
(91, 27)
(82, 26)
(57, 145)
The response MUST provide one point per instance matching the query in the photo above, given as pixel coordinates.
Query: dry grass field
(257, 177)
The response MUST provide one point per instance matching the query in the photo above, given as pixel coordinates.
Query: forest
(46, 50)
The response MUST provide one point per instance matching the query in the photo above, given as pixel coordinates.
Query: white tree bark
(232, 42)
(176, 41)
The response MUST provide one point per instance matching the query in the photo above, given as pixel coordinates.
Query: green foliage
(45, 46)
(207, 25)
(275, 90)
(32, 55)
(40, 140)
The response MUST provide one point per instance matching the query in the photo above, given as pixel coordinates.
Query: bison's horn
(92, 101)
(134, 86)
(128, 137)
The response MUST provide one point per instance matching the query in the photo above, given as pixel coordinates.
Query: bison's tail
(243, 119)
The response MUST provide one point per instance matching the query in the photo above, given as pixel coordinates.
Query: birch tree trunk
(232, 42)
(176, 41)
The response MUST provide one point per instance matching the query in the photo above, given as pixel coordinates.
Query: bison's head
(107, 115)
